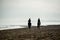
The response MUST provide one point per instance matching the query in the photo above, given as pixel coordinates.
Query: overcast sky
(18, 10)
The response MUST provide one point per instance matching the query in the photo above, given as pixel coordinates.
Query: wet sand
(50, 32)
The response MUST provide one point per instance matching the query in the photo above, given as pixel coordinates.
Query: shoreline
(25, 26)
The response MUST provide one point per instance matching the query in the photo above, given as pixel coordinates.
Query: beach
(50, 32)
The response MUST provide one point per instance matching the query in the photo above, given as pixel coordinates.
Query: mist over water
(24, 21)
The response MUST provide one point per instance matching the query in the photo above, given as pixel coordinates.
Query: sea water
(14, 24)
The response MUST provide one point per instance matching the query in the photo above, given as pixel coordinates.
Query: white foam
(10, 27)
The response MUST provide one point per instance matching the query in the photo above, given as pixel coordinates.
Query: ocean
(14, 24)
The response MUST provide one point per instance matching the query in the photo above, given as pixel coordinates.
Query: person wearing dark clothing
(29, 23)
(38, 23)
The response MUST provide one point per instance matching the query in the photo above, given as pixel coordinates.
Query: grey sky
(15, 10)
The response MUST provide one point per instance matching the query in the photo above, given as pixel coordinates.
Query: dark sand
(43, 33)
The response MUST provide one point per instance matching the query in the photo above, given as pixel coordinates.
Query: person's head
(29, 18)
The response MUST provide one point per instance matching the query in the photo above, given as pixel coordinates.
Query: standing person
(38, 23)
(29, 23)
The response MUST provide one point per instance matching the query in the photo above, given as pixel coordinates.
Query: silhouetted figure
(38, 23)
(29, 23)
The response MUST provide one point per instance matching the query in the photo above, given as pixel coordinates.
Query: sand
(51, 32)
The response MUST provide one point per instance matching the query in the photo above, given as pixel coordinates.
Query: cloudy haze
(18, 11)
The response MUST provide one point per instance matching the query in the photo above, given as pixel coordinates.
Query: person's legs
(38, 25)
(29, 25)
